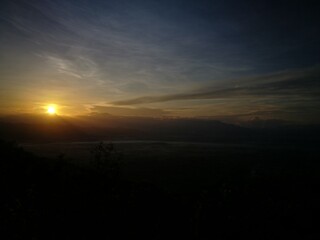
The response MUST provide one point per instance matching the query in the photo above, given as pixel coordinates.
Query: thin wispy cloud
(297, 83)
(81, 67)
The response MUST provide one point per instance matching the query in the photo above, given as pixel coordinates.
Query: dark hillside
(53, 199)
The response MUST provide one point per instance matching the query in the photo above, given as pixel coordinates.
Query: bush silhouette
(42, 201)
(106, 159)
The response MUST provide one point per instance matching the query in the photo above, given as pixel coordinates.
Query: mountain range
(105, 127)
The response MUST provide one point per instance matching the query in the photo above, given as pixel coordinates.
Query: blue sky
(219, 59)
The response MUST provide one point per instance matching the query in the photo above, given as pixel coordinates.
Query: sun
(51, 110)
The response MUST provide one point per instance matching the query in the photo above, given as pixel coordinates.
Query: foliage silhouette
(106, 159)
(54, 199)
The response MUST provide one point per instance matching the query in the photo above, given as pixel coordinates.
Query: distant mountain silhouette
(49, 130)
(38, 128)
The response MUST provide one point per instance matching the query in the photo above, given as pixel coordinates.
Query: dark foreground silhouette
(55, 199)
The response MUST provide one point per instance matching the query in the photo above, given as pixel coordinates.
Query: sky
(195, 59)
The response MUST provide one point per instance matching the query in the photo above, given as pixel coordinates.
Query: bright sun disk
(51, 110)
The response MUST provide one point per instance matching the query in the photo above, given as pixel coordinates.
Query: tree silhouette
(106, 159)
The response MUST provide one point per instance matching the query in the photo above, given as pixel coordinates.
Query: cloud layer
(297, 83)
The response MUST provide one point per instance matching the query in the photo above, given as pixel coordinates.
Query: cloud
(80, 67)
(288, 83)
(125, 111)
